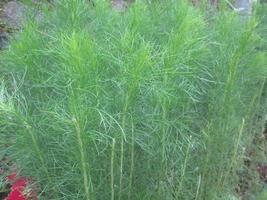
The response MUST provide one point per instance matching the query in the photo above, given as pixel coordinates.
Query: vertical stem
(122, 144)
(163, 164)
(37, 149)
(132, 165)
(112, 168)
(121, 166)
(35, 144)
(198, 187)
(234, 153)
(183, 169)
(83, 160)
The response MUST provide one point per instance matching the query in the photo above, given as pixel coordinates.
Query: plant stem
(83, 160)
(183, 169)
(132, 165)
(122, 144)
(112, 168)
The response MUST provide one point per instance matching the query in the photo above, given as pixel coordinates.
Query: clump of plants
(151, 103)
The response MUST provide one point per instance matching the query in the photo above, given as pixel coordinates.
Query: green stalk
(198, 187)
(131, 165)
(125, 108)
(37, 149)
(177, 193)
(83, 160)
(234, 156)
(162, 139)
(112, 168)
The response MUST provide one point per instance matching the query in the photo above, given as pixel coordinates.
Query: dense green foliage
(152, 103)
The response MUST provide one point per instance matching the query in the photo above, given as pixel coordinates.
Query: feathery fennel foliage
(151, 103)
